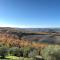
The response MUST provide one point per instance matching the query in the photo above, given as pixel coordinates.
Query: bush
(29, 52)
(51, 52)
(26, 51)
(33, 53)
(3, 52)
(14, 51)
(23, 51)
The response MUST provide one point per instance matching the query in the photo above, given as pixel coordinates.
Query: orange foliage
(12, 40)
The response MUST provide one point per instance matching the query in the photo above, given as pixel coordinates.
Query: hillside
(24, 37)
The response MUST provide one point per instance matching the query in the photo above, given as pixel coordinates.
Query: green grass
(28, 58)
(18, 58)
(12, 57)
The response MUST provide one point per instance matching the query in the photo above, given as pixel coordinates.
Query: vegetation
(3, 52)
(52, 52)
(16, 44)
(15, 53)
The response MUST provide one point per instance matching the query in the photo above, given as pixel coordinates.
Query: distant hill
(38, 35)
(40, 29)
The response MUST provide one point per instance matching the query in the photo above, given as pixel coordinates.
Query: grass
(17, 58)
(12, 57)
(28, 59)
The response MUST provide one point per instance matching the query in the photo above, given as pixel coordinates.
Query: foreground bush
(15, 51)
(33, 52)
(29, 52)
(51, 52)
(26, 51)
(3, 52)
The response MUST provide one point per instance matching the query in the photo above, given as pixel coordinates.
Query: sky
(30, 13)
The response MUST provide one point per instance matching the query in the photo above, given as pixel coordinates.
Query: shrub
(3, 52)
(15, 51)
(51, 52)
(33, 53)
(26, 51)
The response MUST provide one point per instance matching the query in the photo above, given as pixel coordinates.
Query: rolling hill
(19, 36)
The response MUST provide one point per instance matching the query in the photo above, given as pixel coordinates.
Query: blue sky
(30, 13)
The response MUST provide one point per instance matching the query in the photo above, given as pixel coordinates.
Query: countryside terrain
(28, 43)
